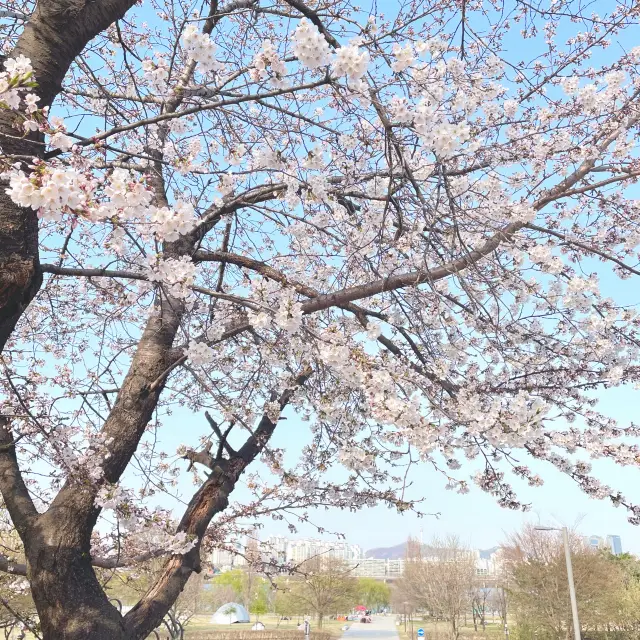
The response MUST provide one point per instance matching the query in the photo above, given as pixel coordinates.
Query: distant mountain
(388, 553)
(400, 550)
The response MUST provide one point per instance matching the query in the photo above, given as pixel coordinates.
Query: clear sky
(475, 517)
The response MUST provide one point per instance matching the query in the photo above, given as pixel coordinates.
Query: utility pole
(506, 626)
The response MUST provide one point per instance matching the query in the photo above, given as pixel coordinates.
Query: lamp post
(405, 616)
(572, 588)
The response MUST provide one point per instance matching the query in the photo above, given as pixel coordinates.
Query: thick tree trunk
(20, 276)
(70, 602)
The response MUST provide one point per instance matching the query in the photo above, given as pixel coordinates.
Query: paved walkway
(381, 628)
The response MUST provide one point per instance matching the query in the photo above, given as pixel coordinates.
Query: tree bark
(71, 603)
(20, 276)
(212, 498)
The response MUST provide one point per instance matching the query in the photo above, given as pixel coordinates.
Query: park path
(381, 628)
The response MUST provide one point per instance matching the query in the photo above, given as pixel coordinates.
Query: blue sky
(475, 517)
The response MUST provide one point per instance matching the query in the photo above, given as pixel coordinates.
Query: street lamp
(405, 616)
(572, 588)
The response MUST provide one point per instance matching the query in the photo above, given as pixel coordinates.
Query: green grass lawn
(202, 623)
(200, 628)
(440, 630)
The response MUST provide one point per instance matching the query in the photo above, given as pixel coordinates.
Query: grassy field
(440, 630)
(200, 628)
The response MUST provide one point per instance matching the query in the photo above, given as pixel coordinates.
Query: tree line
(319, 588)
(529, 592)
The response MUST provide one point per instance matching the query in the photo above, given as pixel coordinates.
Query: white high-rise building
(225, 559)
(283, 550)
(294, 551)
(380, 568)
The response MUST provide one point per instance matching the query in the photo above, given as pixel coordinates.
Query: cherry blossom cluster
(58, 138)
(199, 353)
(426, 226)
(52, 192)
(310, 46)
(176, 275)
(171, 223)
(351, 61)
(201, 48)
(268, 64)
(14, 81)
(55, 189)
(156, 73)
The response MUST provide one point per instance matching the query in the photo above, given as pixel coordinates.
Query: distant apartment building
(229, 558)
(488, 563)
(379, 568)
(283, 550)
(295, 551)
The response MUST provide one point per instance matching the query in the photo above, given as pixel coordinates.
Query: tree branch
(210, 499)
(588, 248)
(222, 439)
(16, 15)
(20, 569)
(14, 491)
(92, 272)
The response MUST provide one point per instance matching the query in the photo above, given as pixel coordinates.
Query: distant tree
(235, 579)
(439, 578)
(479, 599)
(538, 589)
(373, 593)
(286, 600)
(259, 601)
(215, 595)
(628, 604)
(498, 601)
(229, 610)
(326, 587)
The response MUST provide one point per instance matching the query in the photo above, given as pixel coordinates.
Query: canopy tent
(230, 613)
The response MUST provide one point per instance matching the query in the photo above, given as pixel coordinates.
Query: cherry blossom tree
(413, 232)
